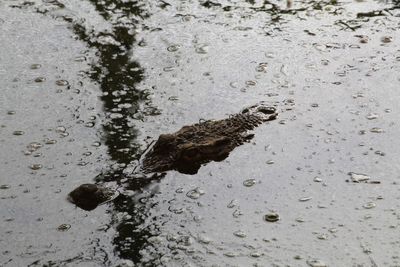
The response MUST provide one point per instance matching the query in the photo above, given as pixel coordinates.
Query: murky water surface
(86, 86)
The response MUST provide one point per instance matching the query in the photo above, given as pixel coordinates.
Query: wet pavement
(87, 86)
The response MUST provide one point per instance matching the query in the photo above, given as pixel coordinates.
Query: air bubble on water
(61, 129)
(36, 166)
(195, 193)
(249, 182)
(376, 130)
(240, 234)
(372, 116)
(358, 177)
(35, 66)
(316, 263)
(369, 205)
(64, 227)
(40, 79)
(230, 254)
(62, 82)
(250, 83)
(173, 48)
(168, 69)
(271, 217)
(304, 199)
(18, 132)
(202, 49)
(233, 203)
(50, 141)
(96, 144)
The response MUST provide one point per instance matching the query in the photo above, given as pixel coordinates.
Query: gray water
(87, 85)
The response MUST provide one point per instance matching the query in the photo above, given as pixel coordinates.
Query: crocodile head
(262, 111)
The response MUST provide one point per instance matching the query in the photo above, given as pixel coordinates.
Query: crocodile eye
(266, 110)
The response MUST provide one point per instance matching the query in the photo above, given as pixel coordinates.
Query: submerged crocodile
(187, 149)
(190, 147)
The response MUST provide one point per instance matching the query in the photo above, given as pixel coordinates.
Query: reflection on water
(117, 76)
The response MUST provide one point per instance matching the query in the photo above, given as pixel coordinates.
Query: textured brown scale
(190, 147)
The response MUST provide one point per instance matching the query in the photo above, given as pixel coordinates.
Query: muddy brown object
(190, 147)
(89, 196)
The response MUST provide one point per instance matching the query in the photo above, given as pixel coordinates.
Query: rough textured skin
(190, 147)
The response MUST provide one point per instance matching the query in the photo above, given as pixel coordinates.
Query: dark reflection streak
(118, 76)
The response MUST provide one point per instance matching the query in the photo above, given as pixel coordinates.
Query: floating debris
(64, 227)
(358, 177)
(249, 182)
(271, 217)
(5, 186)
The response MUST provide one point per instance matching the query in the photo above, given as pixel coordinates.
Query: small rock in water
(358, 177)
(271, 217)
